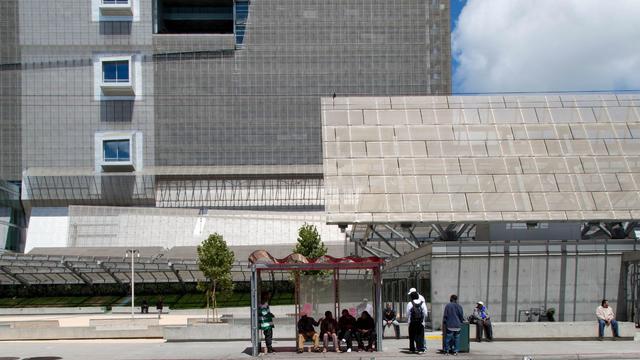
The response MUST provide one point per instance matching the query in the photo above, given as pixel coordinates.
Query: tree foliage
(309, 243)
(215, 261)
(311, 246)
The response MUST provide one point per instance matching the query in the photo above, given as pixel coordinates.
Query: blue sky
(456, 8)
(545, 45)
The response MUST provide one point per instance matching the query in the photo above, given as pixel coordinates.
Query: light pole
(134, 253)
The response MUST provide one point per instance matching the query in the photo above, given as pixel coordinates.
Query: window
(195, 16)
(114, 76)
(117, 150)
(116, 7)
(115, 71)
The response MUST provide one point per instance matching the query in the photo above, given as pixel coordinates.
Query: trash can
(463, 340)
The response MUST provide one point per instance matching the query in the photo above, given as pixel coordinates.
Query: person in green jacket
(265, 321)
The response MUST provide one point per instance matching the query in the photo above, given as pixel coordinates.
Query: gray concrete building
(190, 103)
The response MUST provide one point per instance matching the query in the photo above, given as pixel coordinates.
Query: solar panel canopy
(533, 157)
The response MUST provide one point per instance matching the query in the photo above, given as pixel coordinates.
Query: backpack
(417, 314)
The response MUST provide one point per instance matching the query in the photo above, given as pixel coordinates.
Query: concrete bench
(53, 311)
(579, 330)
(123, 324)
(222, 332)
(203, 320)
(136, 310)
(30, 324)
(77, 333)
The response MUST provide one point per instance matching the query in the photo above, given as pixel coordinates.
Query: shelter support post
(255, 340)
(377, 278)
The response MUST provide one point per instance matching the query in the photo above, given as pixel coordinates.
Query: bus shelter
(325, 283)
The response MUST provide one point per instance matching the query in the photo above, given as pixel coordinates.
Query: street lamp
(134, 253)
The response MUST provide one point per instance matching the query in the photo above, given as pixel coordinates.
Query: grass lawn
(173, 301)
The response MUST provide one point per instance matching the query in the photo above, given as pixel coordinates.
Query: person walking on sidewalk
(452, 321)
(416, 313)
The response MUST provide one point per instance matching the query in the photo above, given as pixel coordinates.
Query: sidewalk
(394, 349)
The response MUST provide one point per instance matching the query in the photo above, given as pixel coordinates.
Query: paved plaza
(394, 349)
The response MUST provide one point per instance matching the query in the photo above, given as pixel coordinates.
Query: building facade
(190, 103)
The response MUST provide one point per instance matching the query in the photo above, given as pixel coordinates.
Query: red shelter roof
(264, 260)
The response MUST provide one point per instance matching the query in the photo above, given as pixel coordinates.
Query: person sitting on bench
(389, 319)
(605, 316)
(365, 329)
(346, 328)
(481, 318)
(328, 330)
(306, 331)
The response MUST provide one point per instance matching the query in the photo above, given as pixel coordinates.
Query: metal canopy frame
(257, 268)
(394, 240)
(25, 269)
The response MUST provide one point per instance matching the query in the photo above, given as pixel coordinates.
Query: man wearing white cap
(424, 303)
(420, 297)
(482, 321)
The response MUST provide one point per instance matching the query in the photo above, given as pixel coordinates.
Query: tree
(215, 261)
(309, 243)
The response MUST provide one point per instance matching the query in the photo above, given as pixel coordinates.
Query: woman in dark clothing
(365, 329)
(329, 329)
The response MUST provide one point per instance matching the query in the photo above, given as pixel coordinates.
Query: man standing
(389, 319)
(420, 297)
(483, 322)
(159, 306)
(416, 313)
(452, 321)
(265, 321)
(605, 316)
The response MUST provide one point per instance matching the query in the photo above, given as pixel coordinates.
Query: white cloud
(547, 45)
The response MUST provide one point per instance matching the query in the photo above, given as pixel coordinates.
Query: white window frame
(115, 12)
(134, 163)
(129, 90)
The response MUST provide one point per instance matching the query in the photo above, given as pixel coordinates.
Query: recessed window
(115, 75)
(115, 10)
(115, 71)
(195, 16)
(116, 7)
(116, 150)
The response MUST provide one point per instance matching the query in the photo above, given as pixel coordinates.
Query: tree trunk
(215, 305)
(207, 296)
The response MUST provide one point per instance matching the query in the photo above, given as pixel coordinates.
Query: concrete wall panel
(574, 286)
